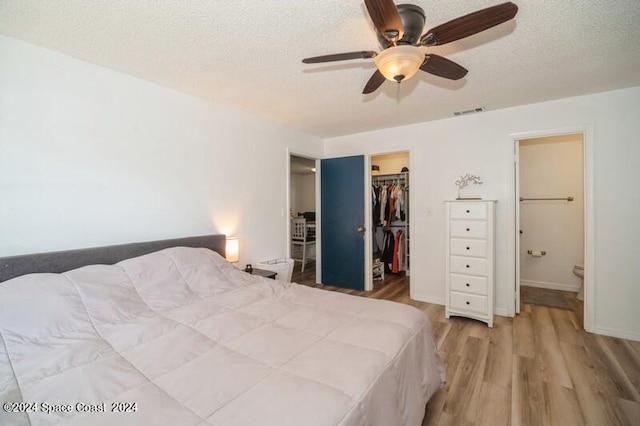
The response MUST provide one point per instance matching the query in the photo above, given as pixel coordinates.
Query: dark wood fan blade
(340, 57)
(443, 67)
(374, 82)
(386, 18)
(470, 24)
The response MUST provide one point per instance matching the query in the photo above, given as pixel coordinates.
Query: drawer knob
(468, 229)
(468, 266)
(468, 211)
(468, 248)
(467, 284)
(468, 303)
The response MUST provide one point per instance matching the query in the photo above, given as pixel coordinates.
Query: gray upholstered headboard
(61, 261)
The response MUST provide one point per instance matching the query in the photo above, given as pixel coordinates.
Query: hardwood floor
(539, 368)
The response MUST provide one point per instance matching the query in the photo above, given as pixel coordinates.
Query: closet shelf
(402, 175)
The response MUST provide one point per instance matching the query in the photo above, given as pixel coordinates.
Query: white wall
(481, 144)
(90, 157)
(552, 167)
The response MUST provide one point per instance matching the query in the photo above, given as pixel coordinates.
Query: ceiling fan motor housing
(413, 21)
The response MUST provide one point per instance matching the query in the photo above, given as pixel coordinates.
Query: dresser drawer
(468, 229)
(468, 211)
(475, 248)
(469, 284)
(468, 302)
(468, 265)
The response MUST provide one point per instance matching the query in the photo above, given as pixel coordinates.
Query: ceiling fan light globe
(399, 61)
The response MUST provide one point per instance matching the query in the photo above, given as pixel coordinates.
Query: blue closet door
(342, 221)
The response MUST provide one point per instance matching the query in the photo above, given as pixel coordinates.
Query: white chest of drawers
(470, 259)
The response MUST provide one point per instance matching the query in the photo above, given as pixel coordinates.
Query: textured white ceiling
(247, 54)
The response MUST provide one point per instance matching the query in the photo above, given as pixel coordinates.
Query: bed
(169, 333)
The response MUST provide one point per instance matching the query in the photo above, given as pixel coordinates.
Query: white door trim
(368, 241)
(589, 217)
(516, 173)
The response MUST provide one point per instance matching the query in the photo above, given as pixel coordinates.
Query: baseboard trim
(502, 312)
(424, 298)
(550, 286)
(621, 334)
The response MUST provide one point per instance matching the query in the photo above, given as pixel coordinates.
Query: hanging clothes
(405, 203)
(402, 259)
(396, 265)
(383, 202)
(387, 250)
(375, 204)
(399, 202)
(390, 204)
(390, 211)
(375, 220)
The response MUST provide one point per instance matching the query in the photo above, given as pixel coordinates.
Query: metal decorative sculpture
(465, 181)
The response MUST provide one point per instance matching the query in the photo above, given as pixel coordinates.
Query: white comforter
(181, 337)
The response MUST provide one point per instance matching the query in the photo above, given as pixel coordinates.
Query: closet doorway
(551, 238)
(390, 222)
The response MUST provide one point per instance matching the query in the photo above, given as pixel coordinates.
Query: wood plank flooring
(539, 368)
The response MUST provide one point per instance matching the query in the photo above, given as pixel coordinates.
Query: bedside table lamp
(232, 249)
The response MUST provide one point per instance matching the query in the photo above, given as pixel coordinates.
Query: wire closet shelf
(547, 199)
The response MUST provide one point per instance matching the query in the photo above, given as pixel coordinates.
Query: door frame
(291, 153)
(368, 242)
(589, 216)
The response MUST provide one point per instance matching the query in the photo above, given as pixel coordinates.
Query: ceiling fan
(400, 32)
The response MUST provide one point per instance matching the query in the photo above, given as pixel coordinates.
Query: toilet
(578, 270)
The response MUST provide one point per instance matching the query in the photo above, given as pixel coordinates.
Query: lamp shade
(399, 63)
(232, 249)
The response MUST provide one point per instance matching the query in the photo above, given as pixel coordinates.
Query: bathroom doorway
(550, 222)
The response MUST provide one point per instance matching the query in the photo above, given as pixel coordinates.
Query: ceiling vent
(469, 111)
